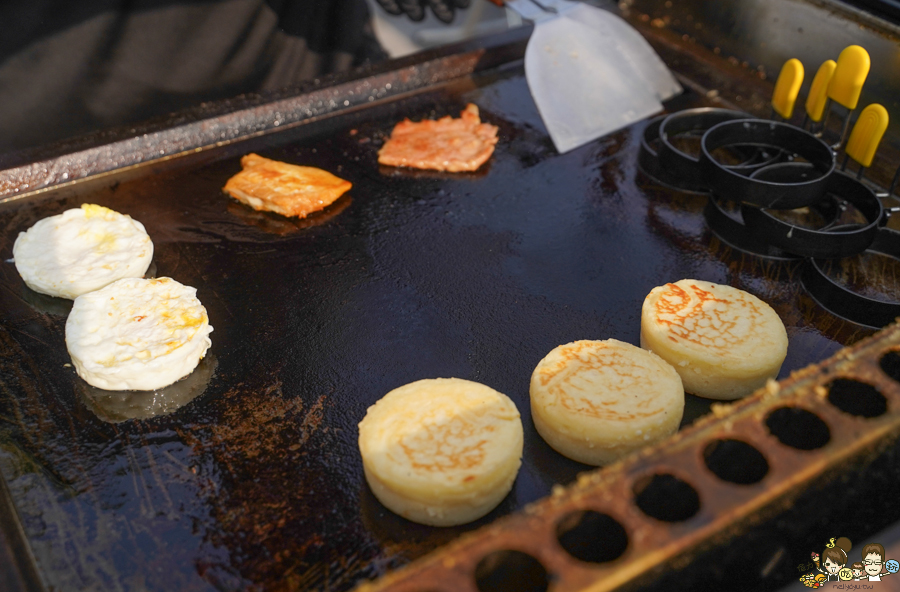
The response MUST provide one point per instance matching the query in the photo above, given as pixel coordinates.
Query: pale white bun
(596, 401)
(81, 250)
(441, 451)
(137, 334)
(724, 342)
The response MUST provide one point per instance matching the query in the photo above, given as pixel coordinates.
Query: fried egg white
(441, 451)
(596, 401)
(724, 342)
(81, 250)
(137, 334)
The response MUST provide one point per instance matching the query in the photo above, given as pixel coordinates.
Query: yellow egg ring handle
(866, 136)
(787, 87)
(849, 76)
(817, 99)
(846, 85)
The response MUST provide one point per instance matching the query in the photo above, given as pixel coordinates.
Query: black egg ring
(845, 303)
(648, 161)
(825, 243)
(700, 120)
(736, 235)
(786, 172)
(772, 134)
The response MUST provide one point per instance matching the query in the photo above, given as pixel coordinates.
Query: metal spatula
(589, 72)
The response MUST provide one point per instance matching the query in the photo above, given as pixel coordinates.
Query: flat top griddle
(256, 482)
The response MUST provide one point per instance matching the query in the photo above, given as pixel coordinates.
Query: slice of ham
(446, 144)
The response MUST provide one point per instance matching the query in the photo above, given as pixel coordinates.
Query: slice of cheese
(724, 342)
(441, 451)
(287, 189)
(596, 401)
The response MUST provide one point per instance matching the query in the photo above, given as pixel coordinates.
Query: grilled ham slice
(446, 144)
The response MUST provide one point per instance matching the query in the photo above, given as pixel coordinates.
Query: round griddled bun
(441, 451)
(596, 401)
(81, 250)
(137, 334)
(724, 342)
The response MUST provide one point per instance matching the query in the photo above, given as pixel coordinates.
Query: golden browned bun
(724, 342)
(595, 401)
(441, 451)
(286, 189)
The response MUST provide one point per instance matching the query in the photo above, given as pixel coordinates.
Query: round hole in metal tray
(591, 536)
(856, 398)
(798, 428)
(510, 571)
(735, 461)
(666, 497)
(890, 364)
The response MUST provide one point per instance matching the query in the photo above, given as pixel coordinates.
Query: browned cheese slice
(286, 189)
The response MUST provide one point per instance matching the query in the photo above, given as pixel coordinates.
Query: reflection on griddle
(119, 406)
(409, 173)
(272, 223)
(44, 304)
(410, 540)
(678, 217)
(835, 328)
(869, 274)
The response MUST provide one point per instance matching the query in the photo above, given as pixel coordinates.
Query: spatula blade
(583, 85)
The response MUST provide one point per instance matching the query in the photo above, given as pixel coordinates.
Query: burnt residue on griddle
(259, 509)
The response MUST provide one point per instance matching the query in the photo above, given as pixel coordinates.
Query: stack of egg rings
(773, 169)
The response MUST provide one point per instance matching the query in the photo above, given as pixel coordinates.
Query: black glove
(415, 9)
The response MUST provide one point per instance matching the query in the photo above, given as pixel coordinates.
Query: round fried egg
(137, 334)
(81, 250)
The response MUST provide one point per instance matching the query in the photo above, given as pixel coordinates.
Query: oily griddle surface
(257, 482)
